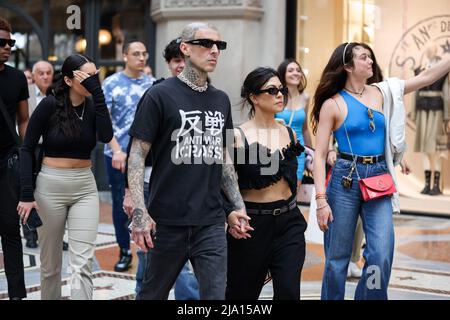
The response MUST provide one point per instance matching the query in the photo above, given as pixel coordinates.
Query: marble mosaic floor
(421, 263)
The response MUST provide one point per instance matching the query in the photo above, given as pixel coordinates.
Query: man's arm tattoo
(139, 220)
(230, 186)
(136, 167)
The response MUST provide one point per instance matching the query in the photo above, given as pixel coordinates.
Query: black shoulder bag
(13, 171)
(12, 160)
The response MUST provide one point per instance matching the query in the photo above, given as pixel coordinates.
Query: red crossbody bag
(377, 187)
(372, 187)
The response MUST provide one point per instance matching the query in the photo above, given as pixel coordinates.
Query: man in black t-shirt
(184, 121)
(14, 95)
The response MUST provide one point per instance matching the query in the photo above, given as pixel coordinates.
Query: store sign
(410, 51)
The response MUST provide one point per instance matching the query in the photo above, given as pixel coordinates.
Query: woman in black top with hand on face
(265, 161)
(70, 122)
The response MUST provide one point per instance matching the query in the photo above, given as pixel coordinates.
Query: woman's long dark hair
(334, 77)
(254, 81)
(282, 68)
(64, 119)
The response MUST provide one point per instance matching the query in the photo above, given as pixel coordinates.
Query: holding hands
(238, 224)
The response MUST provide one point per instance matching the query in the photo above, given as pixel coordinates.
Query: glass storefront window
(27, 48)
(119, 22)
(361, 20)
(64, 42)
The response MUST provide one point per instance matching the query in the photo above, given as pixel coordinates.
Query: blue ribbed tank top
(364, 142)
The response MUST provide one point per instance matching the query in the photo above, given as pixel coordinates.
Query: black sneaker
(124, 262)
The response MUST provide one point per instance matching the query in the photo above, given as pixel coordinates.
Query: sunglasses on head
(10, 42)
(208, 43)
(274, 91)
(371, 120)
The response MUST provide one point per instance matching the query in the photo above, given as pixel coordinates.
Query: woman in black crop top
(265, 154)
(70, 119)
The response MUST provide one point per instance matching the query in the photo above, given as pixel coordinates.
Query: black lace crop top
(257, 167)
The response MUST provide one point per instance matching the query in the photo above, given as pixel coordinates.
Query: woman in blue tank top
(359, 115)
(296, 110)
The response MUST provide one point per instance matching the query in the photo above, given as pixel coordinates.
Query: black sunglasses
(3, 42)
(208, 43)
(274, 91)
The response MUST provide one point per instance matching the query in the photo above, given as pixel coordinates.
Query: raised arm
(142, 222)
(428, 76)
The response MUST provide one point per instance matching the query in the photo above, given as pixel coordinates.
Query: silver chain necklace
(191, 85)
(82, 112)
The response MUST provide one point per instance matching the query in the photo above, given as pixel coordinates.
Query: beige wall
(254, 39)
(320, 31)
(321, 34)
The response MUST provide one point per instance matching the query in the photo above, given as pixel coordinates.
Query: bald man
(42, 74)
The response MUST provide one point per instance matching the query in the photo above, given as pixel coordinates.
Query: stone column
(254, 30)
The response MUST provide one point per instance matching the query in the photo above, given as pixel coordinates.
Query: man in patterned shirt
(123, 90)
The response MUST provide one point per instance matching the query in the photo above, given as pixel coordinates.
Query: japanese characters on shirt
(199, 140)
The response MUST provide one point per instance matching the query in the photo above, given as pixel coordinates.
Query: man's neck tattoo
(192, 79)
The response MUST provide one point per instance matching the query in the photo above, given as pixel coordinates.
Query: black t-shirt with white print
(187, 130)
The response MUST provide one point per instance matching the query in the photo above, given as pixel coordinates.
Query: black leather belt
(276, 211)
(362, 159)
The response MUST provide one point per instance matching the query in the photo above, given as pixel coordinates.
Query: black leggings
(11, 240)
(277, 245)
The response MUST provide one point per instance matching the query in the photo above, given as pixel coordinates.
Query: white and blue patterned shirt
(122, 95)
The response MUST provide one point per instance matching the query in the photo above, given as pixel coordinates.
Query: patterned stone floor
(421, 263)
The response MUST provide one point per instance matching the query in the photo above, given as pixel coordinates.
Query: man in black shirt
(184, 120)
(14, 94)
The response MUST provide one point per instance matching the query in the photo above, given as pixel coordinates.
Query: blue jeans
(186, 285)
(205, 246)
(376, 215)
(117, 182)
